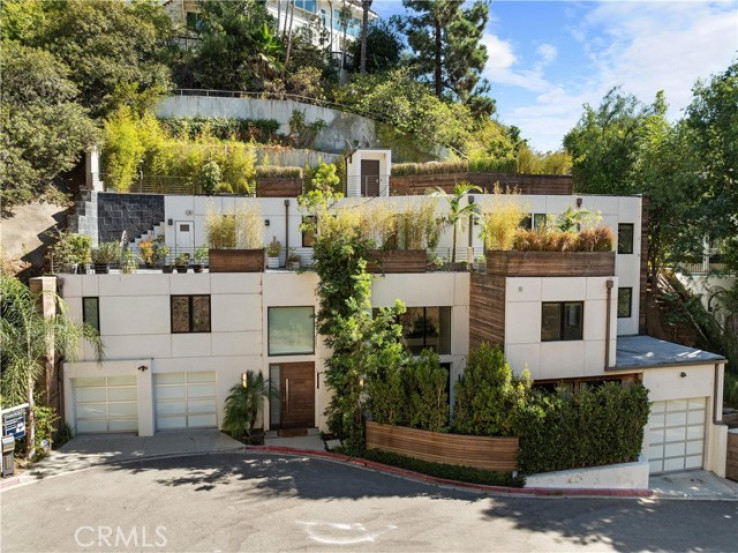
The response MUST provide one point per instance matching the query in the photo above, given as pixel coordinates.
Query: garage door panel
(677, 405)
(698, 403)
(92, 411)
(201, 421)
(123, 425)
(122, 410)
(170, 378)
(122, 394)
(676, 419)
(85, 395)
(696, 417)
(693, 462)
(186, 400)
(673, 464)
(201, 406)
(93, 426)
(171, 423)
(676, 433)
(675, 450)
(171, 408)
(200, 376)
(171, 392)
(201, 390)
(694, 448)
(695, 432)
(90, 381)
(105, 404)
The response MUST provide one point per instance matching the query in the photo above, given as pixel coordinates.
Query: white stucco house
(176, 343)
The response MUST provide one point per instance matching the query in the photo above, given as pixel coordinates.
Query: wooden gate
(731, 466)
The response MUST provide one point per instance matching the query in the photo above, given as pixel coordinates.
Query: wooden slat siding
(643, 297)
(236, 261)
(482, 452)
(486, 310)
(404, 185)
(396, 261)
(555, 264)
(731, 466)
(278, 187)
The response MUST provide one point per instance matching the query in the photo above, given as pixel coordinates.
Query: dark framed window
(291, 330)
(426, 328)
(562, 321)
(534, 221)
(190, 314)
(625, 238)
(91, 312)
(193, 21)
(308, 236)
(625, 302)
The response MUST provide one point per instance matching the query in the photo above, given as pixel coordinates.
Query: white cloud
(548, 52)
(500, 62)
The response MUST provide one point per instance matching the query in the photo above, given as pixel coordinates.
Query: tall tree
(29, 337)
(44, 130)
(446, 40)
(383, 48)
(365, 6)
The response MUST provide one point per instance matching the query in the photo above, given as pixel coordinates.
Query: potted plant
(129, 262)
(72, 252)
(148, 251)
(235, 239)
(244, 405)
(162, 252)
(273, 250)
(293, 260)
(181, 262)
(104, 255)
(201, 254)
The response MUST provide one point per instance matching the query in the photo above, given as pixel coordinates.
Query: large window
(625, 301)
(91, 312)
(291, 330)
(307, 5)
(625, 238)
(190, 314)
(427, 328)
(534, 221)
(562, 321)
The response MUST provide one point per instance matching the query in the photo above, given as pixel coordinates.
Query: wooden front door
(297, 395)
(370, 177)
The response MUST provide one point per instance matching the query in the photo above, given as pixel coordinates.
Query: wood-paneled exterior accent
(643, 296)
(486, 310)
(396, 261)
(482, 452)
(236, 261)
(297, 395)
(405, 185)
(553, 264)
(731, 465)
(278, 187)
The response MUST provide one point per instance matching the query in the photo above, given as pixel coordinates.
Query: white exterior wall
(561, 359)
(353, 171)
(135, 323)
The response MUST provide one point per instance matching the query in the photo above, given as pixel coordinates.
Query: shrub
(493, 165)
(441, 470)
(245, 130)
(242, 228)
(278, 171)
(501, 222)
(488, 395)
(210, 177)
(594, 426)
(425, 383)
(598, 239)
(107, 252)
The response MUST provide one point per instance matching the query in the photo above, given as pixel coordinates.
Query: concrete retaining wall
(343, 130)
(623, 476)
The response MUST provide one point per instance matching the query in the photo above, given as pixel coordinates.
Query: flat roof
(644, 352)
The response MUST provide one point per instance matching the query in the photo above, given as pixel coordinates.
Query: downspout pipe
(286, 227)
(715, 418)
(609, 283)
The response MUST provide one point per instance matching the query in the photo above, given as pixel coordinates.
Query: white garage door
(676, 434)
(185, 400)
(105, 404)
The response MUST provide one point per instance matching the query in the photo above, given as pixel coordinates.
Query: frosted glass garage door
(105, 404)
(676, 434)
(185, 400)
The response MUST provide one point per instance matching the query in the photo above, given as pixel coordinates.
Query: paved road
(242, 502)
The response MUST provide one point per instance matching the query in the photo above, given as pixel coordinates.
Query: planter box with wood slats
(236, 261)
(396, 261)
(402, 185)
(278, 187)
(553, 264)
(482, 452)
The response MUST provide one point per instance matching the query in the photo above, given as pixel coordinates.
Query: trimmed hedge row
(597, 425)
(482, 165)
(278, 171)
(441, 470)
(260, 130)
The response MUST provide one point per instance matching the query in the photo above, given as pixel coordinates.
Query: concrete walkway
(693, 484)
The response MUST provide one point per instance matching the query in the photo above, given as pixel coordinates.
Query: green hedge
(278, 171)
(441, 470)
(260, 130)
(480, 165)
(598, 425)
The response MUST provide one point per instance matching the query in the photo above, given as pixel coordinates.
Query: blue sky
(548, 58)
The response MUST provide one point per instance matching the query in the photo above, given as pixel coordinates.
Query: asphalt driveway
(256, 502)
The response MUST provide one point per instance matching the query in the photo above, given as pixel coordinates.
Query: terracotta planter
(236, 261)
(482, 452)
(396, 261)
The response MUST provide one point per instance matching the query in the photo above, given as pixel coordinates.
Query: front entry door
(369, 177)
(297, 395)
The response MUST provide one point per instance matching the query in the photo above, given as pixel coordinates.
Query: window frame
(629, 290)
(190, 310)
(269, 335)
(622, 250)
(96, 324)
(562, 305)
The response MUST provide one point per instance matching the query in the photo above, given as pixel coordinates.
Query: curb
(481, 488)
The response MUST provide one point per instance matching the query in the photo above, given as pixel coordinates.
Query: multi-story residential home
(329, 23)
(176, 343)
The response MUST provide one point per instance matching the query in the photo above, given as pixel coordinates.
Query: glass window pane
(291, 330)
(539, 220)
(91, 312)
(625, 238)
(573, 321)
(201, 314)
(180, 314)
(624, 302)
(444, 325)
(551, 322)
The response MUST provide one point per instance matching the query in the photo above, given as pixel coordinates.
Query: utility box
(8, 451)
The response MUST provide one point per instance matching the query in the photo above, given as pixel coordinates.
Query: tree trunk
(365, 5)
(453, 244)
(289, 36)
(330, 7)
(439, 48)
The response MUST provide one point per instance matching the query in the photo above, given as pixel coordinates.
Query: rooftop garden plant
(501, 220)
(243, 228)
